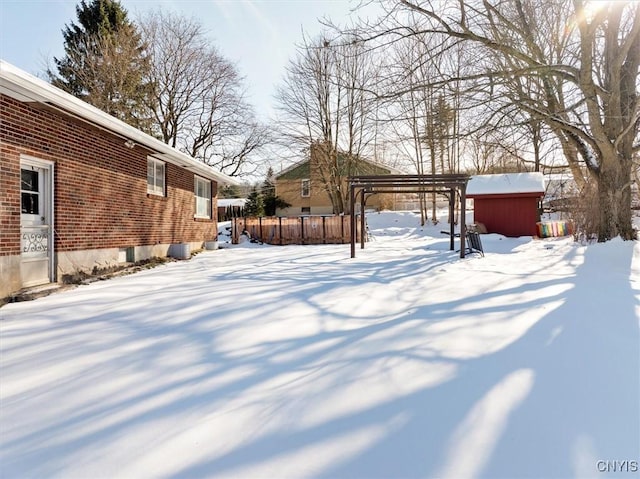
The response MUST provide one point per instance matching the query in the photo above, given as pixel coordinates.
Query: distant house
(507, 204)
(301, 185)
(82, 191)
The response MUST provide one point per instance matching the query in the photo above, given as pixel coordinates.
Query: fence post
(260, 228)
(280, 228)
(302, 229)
(233, 231)
(324, 232)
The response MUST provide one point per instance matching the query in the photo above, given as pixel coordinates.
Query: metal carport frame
(443, 184)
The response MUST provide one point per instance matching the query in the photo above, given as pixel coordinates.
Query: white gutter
(24, 87)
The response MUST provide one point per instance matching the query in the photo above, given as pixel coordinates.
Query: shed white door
(36, 221)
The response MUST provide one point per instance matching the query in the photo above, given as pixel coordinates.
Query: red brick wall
(9, 196)
(101, 198)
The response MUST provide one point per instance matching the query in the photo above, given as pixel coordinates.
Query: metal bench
(474, 243)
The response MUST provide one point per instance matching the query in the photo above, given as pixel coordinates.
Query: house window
(30, 192)
(203, 197)
(306, 188)
(305, 210)
(156, 177)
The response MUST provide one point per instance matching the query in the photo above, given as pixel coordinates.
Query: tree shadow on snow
(552, 404)
(549, 403)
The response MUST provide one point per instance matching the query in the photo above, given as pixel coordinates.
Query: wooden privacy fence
(295, 230)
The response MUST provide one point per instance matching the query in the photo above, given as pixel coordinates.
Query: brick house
(81, 190)
(301, 184)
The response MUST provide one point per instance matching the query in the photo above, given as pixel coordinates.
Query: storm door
(36, 221)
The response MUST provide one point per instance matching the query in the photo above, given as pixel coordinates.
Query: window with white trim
(156, 177)
(306, 188)
(202, 193)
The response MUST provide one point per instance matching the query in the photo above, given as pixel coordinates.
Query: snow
(225, 202)
(258, 361)
(506, 183)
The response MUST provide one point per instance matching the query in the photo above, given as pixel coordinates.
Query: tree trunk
(434, 214)
(338, 207)
(614, 200)
(336, 199)
(423, 209)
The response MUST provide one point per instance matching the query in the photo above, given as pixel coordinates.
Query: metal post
(352, 219)
(452, 227)
(362, 218)
(463, 219)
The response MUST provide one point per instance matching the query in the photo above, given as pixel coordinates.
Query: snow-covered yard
(260, 361)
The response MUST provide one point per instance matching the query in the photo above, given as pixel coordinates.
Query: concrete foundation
(10, 277)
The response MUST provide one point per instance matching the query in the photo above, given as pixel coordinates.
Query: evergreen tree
(105, 62)
(254, 205)
(270, 200)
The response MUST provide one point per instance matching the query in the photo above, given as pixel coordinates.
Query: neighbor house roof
(507, 183)
(302, 169)
(26, 88)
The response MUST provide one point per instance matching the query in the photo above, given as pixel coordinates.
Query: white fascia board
(24, 87)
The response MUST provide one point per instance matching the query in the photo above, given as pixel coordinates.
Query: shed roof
(26, 88)
(506, 183)
(224, 202)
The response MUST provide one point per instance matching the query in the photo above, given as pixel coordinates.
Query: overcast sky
(259, 36)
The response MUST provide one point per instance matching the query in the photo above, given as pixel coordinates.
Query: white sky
(259, 36)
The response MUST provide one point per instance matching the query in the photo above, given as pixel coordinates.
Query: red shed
(507, 203)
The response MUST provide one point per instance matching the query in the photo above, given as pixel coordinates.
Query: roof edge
(24, 85)
(494, 196)
(392, 170)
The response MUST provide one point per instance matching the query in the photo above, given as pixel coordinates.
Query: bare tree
(425, 116)
(490, 154)
(411, 115)
(325, 109)
(198, 101)
(572, 67)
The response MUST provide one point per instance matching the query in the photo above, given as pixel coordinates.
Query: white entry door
(36, 221)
